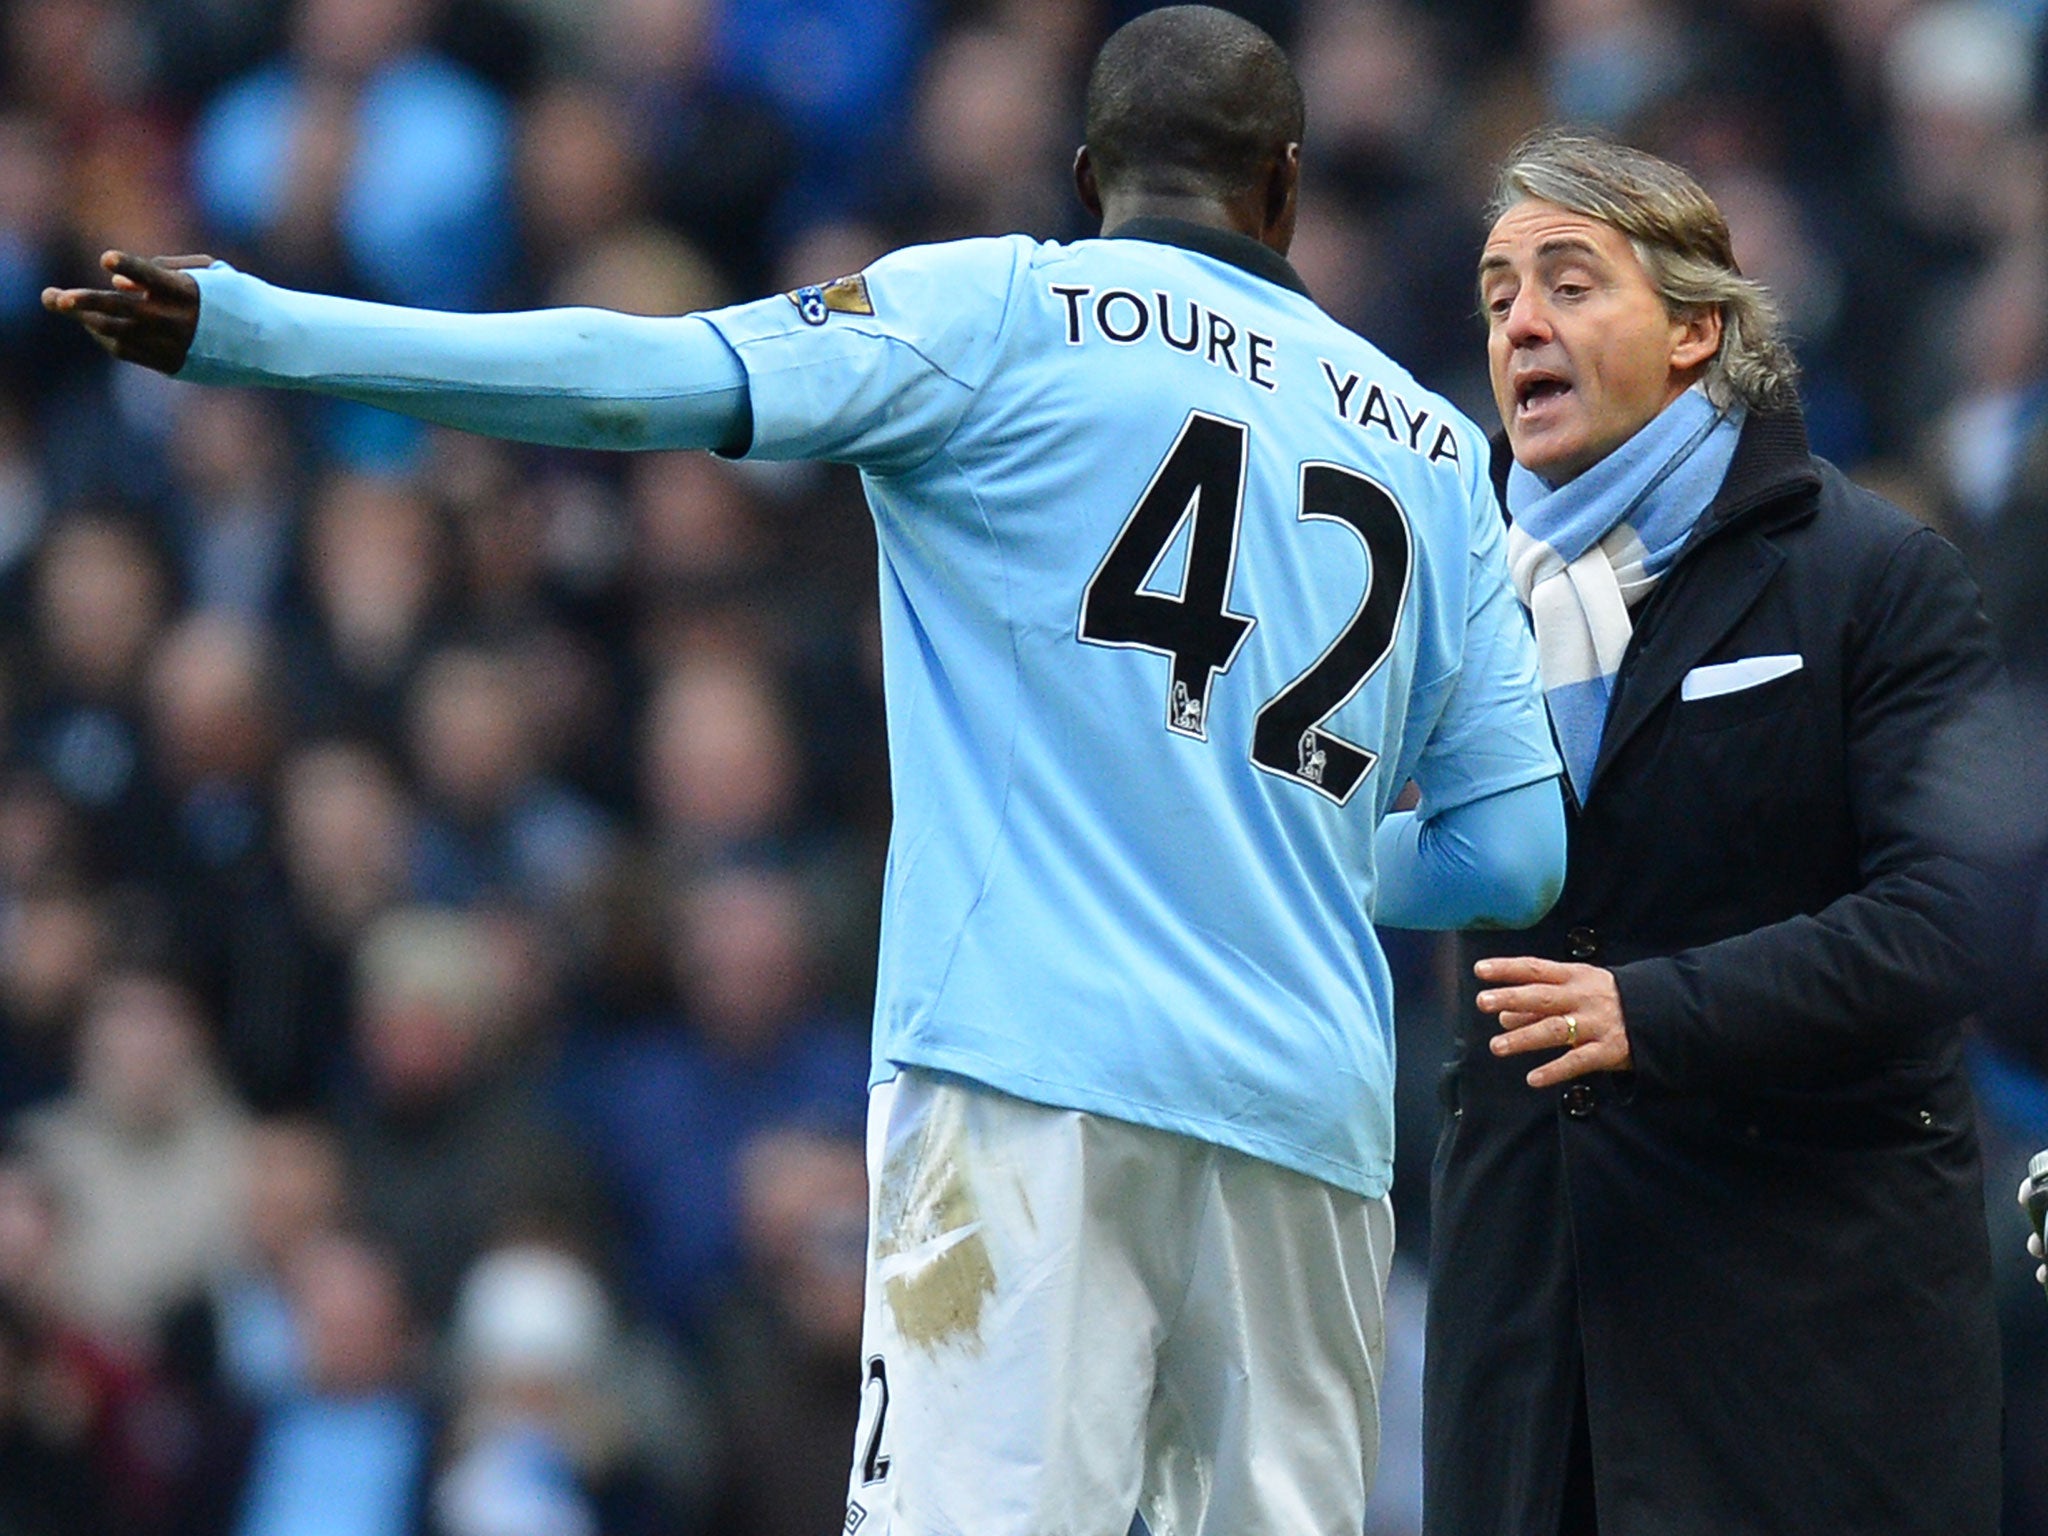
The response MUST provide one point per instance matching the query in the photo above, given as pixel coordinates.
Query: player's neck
(1212, 213)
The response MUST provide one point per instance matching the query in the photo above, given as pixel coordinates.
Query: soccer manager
(1718, 1262)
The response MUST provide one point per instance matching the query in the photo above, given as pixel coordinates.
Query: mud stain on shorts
(932, 1258)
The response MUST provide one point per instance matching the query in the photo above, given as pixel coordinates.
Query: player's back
(1176, 576)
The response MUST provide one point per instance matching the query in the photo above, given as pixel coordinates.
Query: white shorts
(1070, 1319)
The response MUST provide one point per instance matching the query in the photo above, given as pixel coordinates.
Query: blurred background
(438, 880)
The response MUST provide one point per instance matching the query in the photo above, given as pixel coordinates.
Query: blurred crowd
(437, 879)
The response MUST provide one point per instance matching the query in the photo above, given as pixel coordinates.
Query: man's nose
(1527, 322)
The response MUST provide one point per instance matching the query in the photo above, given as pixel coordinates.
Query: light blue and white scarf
(1584, 554)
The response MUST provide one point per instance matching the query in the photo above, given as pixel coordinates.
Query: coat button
(1578, 1101)
(1583, 944)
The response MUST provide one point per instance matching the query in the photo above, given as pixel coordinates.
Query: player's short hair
(1190, 100)
(1680, 237)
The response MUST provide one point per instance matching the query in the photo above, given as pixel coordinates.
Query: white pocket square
(1734, 676)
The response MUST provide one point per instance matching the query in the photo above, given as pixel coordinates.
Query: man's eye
(1498, 307)
(1572, 290)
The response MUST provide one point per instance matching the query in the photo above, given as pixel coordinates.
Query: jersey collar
(1223, 244)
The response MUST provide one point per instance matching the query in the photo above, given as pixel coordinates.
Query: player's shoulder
(991, 257)
(919, 289)
(919, 283)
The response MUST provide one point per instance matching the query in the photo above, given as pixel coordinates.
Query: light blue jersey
(1181, 582)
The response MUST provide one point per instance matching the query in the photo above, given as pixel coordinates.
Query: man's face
(1581, 349)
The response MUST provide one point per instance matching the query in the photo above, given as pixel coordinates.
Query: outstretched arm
(577, 378)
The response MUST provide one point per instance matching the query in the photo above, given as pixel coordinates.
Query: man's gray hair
(1679, 236)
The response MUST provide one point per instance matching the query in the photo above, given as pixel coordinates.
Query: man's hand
(148, 316)
(1544, 1005)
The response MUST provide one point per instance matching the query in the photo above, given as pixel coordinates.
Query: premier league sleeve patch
(842, 296)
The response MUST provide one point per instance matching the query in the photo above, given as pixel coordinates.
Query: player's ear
(1283, 182)
(1278, 198)
(1084, 182)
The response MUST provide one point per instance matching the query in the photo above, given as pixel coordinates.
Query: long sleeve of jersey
(573, 378)
(1491, 863)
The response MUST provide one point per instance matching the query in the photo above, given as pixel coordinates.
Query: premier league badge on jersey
(1315, 762)
(818, 302)
(810, 303)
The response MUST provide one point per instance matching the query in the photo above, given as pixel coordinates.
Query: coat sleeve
(1873, 975)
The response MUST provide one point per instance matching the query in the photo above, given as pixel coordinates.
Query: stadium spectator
(722, 764)
(88, 1400)
(235, 503)
(364, 160)
(779, 1346)
(144, 1157)
(374, 565)
(990, 119)
(837, 79)
(240, 1329)
(578, 173)
(101, 596)
(215, 714)
(234, 1350)
(448, 1139)
(47, 1481)
(345, 830)
(669, 1105)
(347, 1454)
(720, 154)
(494, 828)
(565, 1420)
(56, 937)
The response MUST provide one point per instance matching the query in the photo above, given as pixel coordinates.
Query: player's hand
(149, 314)
(1546, 1005)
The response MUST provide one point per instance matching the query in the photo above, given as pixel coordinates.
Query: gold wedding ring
(1571, 1031)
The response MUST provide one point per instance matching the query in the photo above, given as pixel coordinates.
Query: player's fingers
(106, 325)
(2026, 1184)
(122, 347)
(149, 276)
(84, 301)
(2034, 1245)
(1510, 970)
(191, 263)
(1517, 1020)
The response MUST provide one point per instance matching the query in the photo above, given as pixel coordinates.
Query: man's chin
(1544, 454)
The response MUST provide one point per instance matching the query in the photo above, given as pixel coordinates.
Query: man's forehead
(1532, 230)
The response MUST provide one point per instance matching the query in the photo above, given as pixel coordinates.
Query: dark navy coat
(1763, 1251)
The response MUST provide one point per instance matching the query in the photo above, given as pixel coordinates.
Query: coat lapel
(1718, 577)
(1707, 597)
